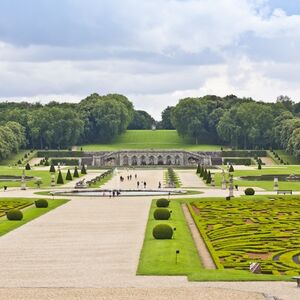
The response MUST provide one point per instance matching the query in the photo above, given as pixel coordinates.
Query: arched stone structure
(150, 158)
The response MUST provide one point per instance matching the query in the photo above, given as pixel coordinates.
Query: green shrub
(162, 202)
(208, 179)
(52, 168)
(162, 232)
(14, 215)
(41, 203)
(27, 167)
(161, 214)
(76, 174)
(249, 191)
(19, 162)
(231, 169)
(198, 169)
(69, 176)
(60, 178)
(237, 161)
(60, 153)
(47, 163)
(244, 153)
(259, 167)
(83, 170)
(65, 161)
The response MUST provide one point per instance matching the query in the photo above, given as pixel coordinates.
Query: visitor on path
(159, 185)
(145, 184)
(138, 184)
(5, 188)
(114, 193)
(236, 187)
(135, 176)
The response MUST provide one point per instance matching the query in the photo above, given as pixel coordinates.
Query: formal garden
(15, 212)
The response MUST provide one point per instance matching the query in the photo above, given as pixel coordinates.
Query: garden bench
(297, 278)
(284, 192)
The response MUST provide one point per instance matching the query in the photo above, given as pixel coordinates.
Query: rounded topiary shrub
(41, 203)
(162, 232)
(14, 215)
(162, 202)
(161, 214)
(249, 191)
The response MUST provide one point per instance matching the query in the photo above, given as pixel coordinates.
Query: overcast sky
(153, 51)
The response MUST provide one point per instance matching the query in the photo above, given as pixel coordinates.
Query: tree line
(238, 122)
(241, 123)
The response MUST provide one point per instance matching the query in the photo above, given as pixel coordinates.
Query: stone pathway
(189, 179)
(151, 177)
(206, 258)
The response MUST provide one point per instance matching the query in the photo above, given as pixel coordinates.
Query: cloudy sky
(153, 51)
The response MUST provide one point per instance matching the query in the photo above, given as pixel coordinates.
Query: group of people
(129, 177)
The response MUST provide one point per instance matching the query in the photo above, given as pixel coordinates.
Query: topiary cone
(69, 176)
(60, 178)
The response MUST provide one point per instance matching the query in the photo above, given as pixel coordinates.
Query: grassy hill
(149, 139)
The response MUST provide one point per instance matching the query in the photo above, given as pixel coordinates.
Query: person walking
(138, 184)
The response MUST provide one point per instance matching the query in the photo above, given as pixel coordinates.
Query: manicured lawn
(287, 158)
(44, 175)
(149, 139)
(249, 229)
(158, 256)
(30, 213)
(267, 185)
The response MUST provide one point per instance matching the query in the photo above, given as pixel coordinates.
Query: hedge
(162, 232)
(59, 153)
(162, 202)
(161, 214)
(14, 215)
(244, 153)
(237, 161)
(41, 203)
(65, 161)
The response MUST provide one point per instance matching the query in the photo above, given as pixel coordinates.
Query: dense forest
(238, 122)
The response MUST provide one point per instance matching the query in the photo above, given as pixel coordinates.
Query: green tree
(76, 174)
(60, 179)
(69, 176)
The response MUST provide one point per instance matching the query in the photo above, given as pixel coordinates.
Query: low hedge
(237, 161)
(41, 203)
(161, 214)
(162, 232)
(65, 161)
(14, 215)
(162, 202)
(59, 153)
(244, 153)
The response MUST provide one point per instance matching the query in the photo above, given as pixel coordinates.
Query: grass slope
(149, 139)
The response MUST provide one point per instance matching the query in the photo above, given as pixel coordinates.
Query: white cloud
(155, 51)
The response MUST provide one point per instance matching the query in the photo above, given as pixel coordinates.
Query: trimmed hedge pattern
(60, 153)
(237, 161)
(244, 153)
(65, 161)
(6, 205)
(239, 232)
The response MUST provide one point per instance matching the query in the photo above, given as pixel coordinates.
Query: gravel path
(206, 258)
(189, 179)
(128, 294)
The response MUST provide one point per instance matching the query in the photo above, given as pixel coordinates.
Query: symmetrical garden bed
(6, 205)
(257, 229)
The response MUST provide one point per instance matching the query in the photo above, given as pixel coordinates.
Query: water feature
(270, 177)
(106, 193)
(14, 178)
